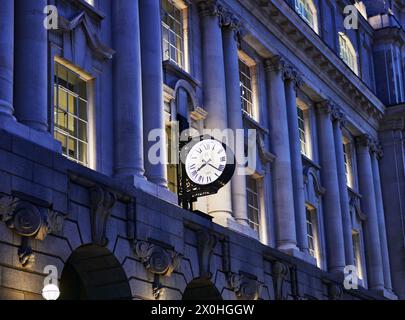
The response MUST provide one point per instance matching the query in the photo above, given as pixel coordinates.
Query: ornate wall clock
(207, 165)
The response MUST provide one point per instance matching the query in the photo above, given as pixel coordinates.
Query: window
(71, 114)
(253, 203)
(312, 233)
(171, 163)
(357, 253)
(307, 11)
(347, 152)
(246, 87)
(173, 33)
(347, 52)
(302, 131)
(90, 2)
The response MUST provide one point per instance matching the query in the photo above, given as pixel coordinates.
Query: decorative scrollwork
(280, 273)
(245, 288)
(156, 259)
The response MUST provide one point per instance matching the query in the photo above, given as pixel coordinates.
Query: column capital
(326, 107)
(339, 116)
(377, 150)
(292, 74)
(365, 140)
(276, 64)
(209, 8)
(230, 21)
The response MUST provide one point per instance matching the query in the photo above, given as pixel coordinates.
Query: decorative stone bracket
(280, 273)
(245, 287)
(29, 222)
(206, 242)
(157, 260)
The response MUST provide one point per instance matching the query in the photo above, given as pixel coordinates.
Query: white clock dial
(206, 162)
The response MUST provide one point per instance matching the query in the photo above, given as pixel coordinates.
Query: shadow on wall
(93, 273)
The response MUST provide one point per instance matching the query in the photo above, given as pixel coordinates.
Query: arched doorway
(93, 273)
(201, 289)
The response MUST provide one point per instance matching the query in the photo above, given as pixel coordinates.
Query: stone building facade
(84, 83)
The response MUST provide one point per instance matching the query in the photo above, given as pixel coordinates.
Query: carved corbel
(157, 260)
(245, 287)
(280, 273)
(29, 222)
(335, 291)
(206, 242)
(102, 201)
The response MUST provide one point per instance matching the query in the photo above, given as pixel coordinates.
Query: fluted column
(31, 76)
(152, 90)
(331, 199)
(279, 137)
(6, 57)
(219, 205)
(292, 82)
(377, 154)
(128, 130)
(343, 191)
(235, 120)
(371, 230)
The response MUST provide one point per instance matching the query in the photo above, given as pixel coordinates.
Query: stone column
(377, 154)
(219, 205)
(128, 131)
(152, 91)
(343, 191)
(6, 57)
(279, 137)
(331, 200)
(292, 82)
(371, 229)
(235, 120)
(31, 76)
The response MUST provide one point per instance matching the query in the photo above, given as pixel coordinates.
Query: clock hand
(204, 165)
(214, 167)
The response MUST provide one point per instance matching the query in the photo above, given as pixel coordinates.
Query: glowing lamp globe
(50, 292)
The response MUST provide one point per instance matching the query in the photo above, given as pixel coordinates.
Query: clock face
(206, 162)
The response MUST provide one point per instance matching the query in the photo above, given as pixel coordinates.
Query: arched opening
(93, 273)
(200, 289)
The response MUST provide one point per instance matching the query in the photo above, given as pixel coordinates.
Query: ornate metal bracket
(245, 287)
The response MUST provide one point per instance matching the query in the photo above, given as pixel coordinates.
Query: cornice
(287, 25)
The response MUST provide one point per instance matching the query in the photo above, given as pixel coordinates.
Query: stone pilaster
(235, 120)
(339, 122)
(128, 130)
(215, 102)
(376, 155)
(6, 57)
(293, 80)
(31, 76)
(286, 239)
(331, 200)
(152, 91)
(371, 229)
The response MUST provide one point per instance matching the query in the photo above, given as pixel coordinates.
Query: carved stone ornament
(102, 201)
(280, 273)
(156, 259)
(29, 222)
(206, 242)
(245, 288)
(335, 291)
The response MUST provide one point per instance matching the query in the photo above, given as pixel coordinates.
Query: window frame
(251, 64)
(304, 8)
(311, 219)
(348, 53)
(56, 86)
(255, 207)
(183, 37)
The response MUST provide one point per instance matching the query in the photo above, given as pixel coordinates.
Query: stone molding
(245, 287)
(156, 259)
(102, 201)
(30, 222)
